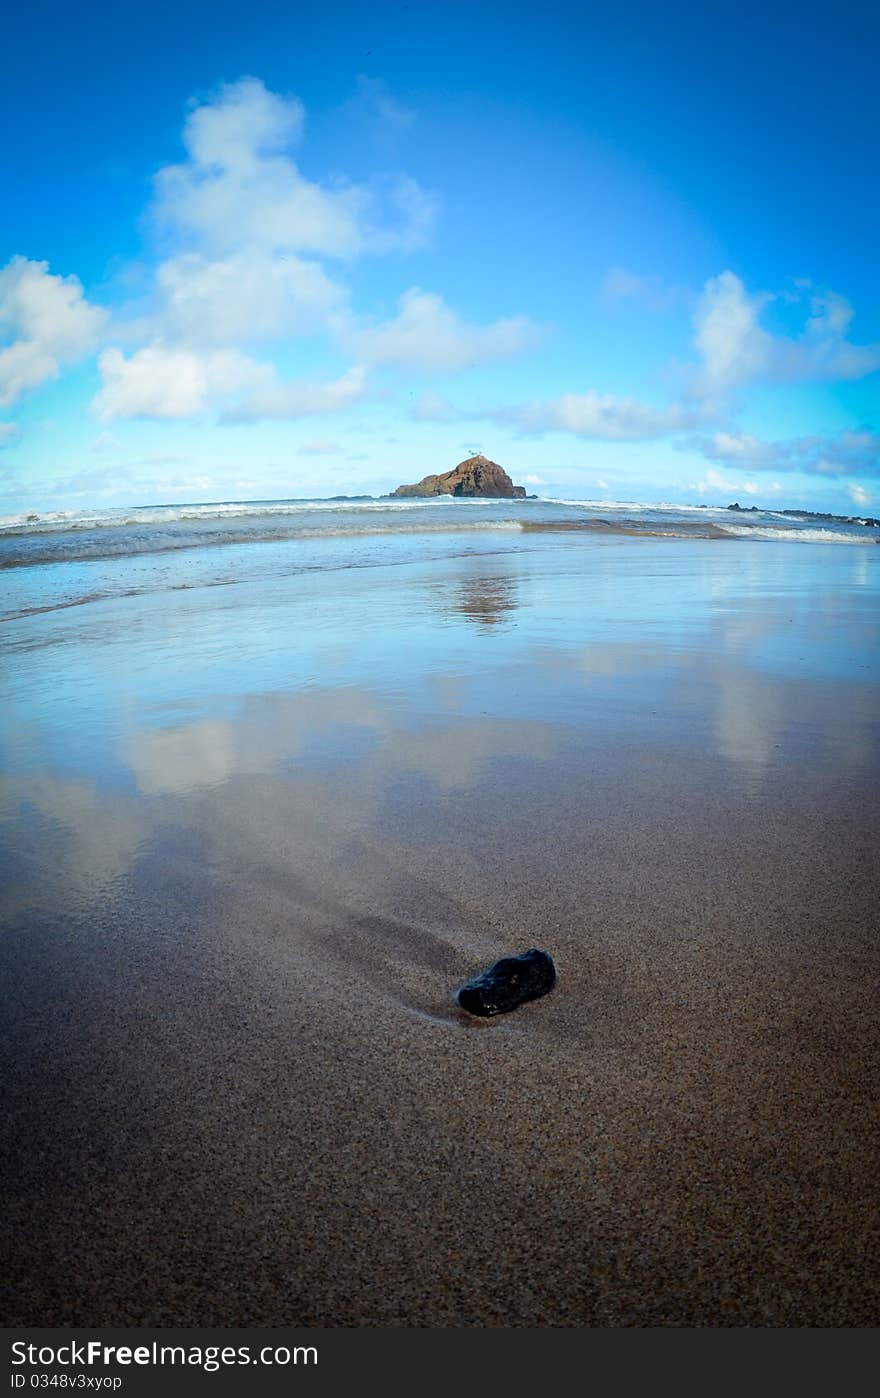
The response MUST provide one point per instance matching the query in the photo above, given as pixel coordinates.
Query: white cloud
(732, 346)
(602, 416)
(736, 350)
(830, 314)
(822, 352)
(153, 477)
(429, 335)
(48, 321)
(241, 219)
(859, 495)
(250, 297)
(173, 383)
(297, 398)
(241, 187)
(714, 480)
(742, 450)
(821, 454)
(163, 382)
(248, 120)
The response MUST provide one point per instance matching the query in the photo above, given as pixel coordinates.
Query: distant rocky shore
(809, 514)
(476, 477)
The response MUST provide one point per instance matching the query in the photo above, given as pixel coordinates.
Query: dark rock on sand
(477, 476)
(508, 983)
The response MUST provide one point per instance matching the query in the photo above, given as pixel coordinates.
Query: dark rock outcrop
(509, 983)
(477, 476)
(867, 520)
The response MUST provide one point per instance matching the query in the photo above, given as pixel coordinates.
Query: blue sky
(276, 250)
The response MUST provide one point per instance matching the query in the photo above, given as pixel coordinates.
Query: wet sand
(239, 1091)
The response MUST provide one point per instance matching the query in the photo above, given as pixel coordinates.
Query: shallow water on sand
(109, 653)
(259, 819)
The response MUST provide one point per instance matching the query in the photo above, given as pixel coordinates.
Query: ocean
(118, 551)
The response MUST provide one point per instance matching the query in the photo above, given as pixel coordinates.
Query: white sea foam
(36, 522)
(117, 531)
(85, 546)
(635, 505)
(801, 536)
(120, 518)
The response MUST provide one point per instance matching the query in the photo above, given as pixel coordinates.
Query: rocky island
(477, 476)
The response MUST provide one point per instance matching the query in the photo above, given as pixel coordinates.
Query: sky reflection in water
(753, 656)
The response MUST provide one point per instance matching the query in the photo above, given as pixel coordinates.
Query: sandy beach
(245, 876)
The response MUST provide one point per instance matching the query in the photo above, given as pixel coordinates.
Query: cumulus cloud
(830, 314)
(822, 351)
(245, 120)
(849, 453)
(427, 334)
(162, 382)
(48, 323)
(601, 415)
(173, 383)
(715, 481)
(732, 346)
(735, 349)
(739, 449)
(241, 186)
(859, 495)
(250, 297)
(247, 236)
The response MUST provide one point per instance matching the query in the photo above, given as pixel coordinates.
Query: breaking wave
(58, 536)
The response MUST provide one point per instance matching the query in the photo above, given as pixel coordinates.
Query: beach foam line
(63, 521)
(800, 536)
(90, 548)
(663, 507)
